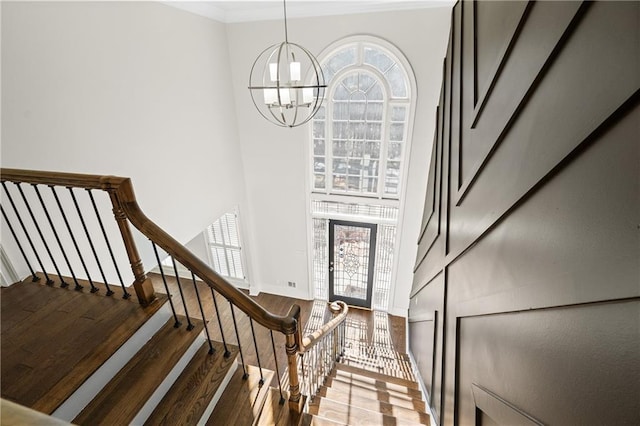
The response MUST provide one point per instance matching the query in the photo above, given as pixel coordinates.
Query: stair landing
(53, 339)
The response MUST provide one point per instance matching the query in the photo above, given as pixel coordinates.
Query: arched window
(360, 134)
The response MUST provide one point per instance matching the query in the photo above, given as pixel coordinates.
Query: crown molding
(250, 11)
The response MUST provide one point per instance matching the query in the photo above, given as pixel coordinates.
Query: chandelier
(277, 83)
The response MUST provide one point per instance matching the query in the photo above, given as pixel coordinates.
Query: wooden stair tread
(242, 400)
(374, 383)
(79, 331)
(377, 388)
(388, 409)
(189, 397)
(123, 397)
(357, 394)
(340, 368)
(311, 420)
(351, 415)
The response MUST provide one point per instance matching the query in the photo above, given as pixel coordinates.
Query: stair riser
(69, 409)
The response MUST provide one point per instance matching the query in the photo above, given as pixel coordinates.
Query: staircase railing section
(320, 350)
(46, 213)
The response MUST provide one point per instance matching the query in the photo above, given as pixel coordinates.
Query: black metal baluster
(93, 249)
(235, 325)
(204, 320)
(227, 353)
(177, 323)
(125, 294)
(15, 237)
(184, 301)
(275, 358)
(255, 344)
(78, 287)
(24, 229)
(63, 284)
(94, 289)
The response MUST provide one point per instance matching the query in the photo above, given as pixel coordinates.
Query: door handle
(330, 266)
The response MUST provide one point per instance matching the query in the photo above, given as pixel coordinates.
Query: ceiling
(251, 10)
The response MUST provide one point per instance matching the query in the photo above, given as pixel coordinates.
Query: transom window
(360, 134)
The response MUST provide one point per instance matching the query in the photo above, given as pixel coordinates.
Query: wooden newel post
(142, 284)
(296, 401)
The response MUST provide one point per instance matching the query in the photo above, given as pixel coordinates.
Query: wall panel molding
(534, 269)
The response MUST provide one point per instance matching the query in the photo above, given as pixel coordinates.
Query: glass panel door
(352, 248)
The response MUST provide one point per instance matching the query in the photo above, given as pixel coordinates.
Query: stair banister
(126, 209)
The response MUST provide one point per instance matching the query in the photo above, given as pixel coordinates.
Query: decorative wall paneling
(525, 302)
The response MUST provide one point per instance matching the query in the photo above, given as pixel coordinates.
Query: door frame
(372, 257)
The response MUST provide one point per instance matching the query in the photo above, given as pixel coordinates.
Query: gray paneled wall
(525, 307)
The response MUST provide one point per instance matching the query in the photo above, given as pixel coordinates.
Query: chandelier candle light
(276, 84)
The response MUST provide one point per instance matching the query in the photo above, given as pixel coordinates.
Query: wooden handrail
(340, 311)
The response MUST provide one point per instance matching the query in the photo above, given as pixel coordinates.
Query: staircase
(170, 377)
(88, 353)
(355, 396)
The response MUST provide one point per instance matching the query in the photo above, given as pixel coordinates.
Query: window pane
(398, 113)
(377, 59)
(396, 132)
(397, 82)
(356, 110)
(339, 166)
(374, 111)
(340, 60)
(341, 93)
(395, 151)
(319, 181)
(321, 114)
(235, 263)
(353, 183)
(366, 81)
(392, 179)
(318, 164)
(375, 93)
(340, 130)
(339, 182)
(319, 147)
(372, 149)
(355, 167)
(358, 131)
(339, 149)
(351, 83)
(374, 131)
(318, 129)
(340, 110)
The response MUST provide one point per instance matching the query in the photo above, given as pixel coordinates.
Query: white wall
(275, 159)
(102, 78)
(134, 89)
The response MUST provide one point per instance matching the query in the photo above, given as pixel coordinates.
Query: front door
(352, 248)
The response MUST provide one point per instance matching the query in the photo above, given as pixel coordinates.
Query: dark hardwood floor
(53, 338)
